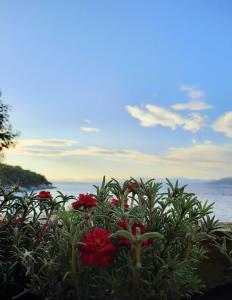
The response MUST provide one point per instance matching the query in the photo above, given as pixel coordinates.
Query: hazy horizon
(163, 179)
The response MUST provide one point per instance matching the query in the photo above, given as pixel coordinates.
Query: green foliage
(15, 175)
(41, 243)
(7, 136)
(225, 247)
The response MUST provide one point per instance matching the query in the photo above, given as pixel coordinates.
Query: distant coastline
(227, 181)
(37, 188)
(23, 179)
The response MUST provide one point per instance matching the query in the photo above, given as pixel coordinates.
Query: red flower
(133, 186)
(98, 249)
(84, 200)
(114, 202)
(44, 195)
(124, 225)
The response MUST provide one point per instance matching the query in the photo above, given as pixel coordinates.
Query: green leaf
(123, 233)
(151, 235)
(103, 182)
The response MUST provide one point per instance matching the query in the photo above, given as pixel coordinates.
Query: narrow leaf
(151, 235)
(123, 233)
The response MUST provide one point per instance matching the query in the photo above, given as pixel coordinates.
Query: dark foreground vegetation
(126, 241)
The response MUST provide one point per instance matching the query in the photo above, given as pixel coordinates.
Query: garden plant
(133, 240)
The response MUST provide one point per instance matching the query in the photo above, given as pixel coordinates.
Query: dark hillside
(11, 175)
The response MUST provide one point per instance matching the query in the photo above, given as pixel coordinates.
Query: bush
(128, 241)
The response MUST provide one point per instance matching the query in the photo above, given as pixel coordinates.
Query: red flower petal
(44, 195)
(98, 248)
(85, 201)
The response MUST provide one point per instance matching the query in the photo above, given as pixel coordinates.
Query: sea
(220, 195)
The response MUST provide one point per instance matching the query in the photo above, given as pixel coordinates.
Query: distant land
(222, 181)
(15, 175)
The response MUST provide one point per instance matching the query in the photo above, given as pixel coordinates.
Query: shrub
(127, 241)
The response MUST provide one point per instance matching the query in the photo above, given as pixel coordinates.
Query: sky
(118, 88)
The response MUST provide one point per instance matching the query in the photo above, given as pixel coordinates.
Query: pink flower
(114, 202)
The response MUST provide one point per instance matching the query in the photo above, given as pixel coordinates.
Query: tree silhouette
(7, 136)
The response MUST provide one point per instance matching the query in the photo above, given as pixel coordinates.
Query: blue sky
(122, 88)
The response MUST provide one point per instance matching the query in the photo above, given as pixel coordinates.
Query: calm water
(220, 195)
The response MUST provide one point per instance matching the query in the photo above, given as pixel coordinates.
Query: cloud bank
(200, 160)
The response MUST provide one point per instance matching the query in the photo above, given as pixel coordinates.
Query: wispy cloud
(224, 124)
(113, 154)
(90, 129)
(192, 92)
(201, 160)
(205, 153)
(192, 105)
(93, 151)
(47, 143)
(40, 152)
(37, 147)
(153, 115)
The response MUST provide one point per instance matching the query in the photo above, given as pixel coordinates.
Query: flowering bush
(127, 241)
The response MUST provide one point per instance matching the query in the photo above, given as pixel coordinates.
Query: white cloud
(192, 92)
(87, 121)
(192, 105)
(154, 115)
(47, 143)
(90, 129)
(224, 124)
